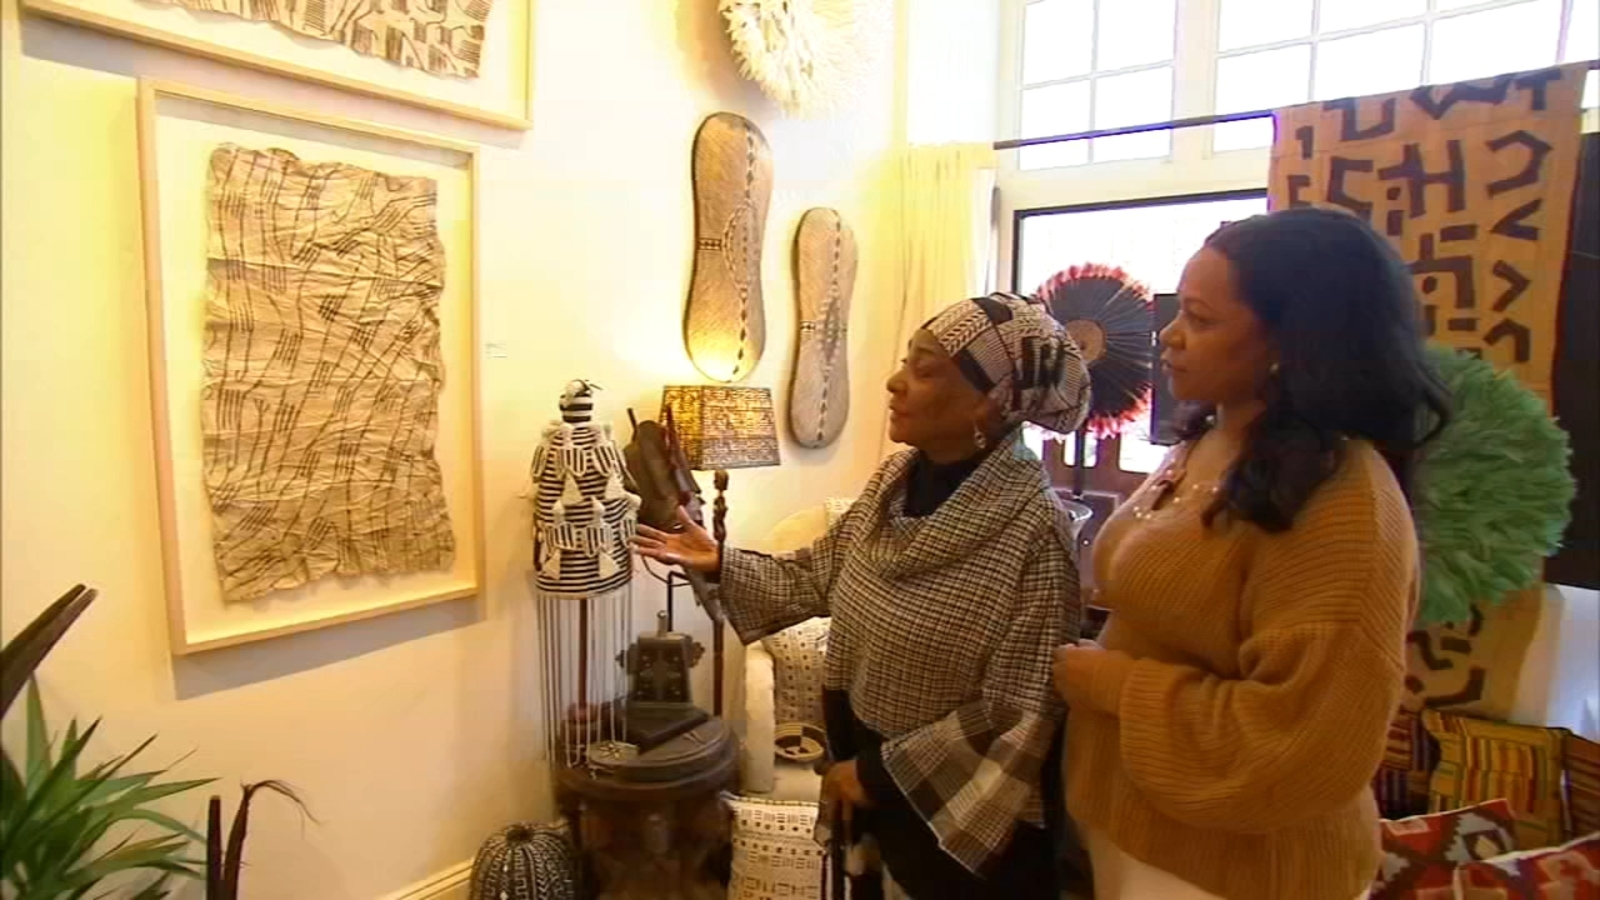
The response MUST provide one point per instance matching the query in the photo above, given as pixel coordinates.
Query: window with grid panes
(1273, 53)
(1092, 64)
(1096, 64)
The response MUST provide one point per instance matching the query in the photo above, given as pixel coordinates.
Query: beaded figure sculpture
(584, 522)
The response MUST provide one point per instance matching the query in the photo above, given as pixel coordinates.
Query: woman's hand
(692, 548)
(842, 785)
(1074, 670)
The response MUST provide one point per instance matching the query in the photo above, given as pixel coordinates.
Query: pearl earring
(979, 439)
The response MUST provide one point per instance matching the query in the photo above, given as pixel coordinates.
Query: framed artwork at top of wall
(262, 221)
(497, 93)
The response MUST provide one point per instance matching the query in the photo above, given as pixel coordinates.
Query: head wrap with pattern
(1011, 349)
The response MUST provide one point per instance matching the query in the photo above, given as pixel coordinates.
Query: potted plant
(64, 832)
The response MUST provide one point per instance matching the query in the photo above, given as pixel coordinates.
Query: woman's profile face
(930, 401)
(1216, 351)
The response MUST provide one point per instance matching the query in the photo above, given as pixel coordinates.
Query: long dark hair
(1340, 307)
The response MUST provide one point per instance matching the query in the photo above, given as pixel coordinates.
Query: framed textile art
(472, 59)
(311, 286)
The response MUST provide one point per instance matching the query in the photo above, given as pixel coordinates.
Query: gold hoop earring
(979, 439)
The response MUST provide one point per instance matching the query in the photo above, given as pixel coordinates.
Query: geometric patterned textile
(1401, 785)
(1014, 353)
(775, 856)
(797, 657)
(1421, 853)
(1481, 760)
(1568, 872)
(322, 372)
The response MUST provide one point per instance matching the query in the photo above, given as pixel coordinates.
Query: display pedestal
(652, 828)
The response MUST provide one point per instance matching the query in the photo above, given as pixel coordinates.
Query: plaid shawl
(943, 632)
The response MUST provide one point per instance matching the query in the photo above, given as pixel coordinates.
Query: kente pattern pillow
(797, 657)
(775, 853)
(1401, 785)
(1421, 853)
(1568, 872)
(1583, 786)
(1481, 760)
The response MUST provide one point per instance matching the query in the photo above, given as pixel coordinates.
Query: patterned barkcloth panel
(444, 37)
(322, 373)
(1471, 182)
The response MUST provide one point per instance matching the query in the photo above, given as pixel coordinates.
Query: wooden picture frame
(179, 126)
(501, 95)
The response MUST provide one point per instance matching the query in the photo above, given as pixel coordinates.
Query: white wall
(409, 734)
(1560, 681)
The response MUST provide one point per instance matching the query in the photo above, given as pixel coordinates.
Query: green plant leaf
(13, 791)
(54, 785)
(156, 890)
(167, 822)
(38, 736)
(155, 853)
(58, 837)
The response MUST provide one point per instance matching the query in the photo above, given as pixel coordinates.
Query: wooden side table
(655, 840)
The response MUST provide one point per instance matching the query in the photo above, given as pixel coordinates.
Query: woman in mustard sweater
(1223, 734)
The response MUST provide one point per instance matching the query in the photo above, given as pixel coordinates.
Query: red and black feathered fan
(1111, 318)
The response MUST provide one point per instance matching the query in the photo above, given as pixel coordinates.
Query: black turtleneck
(930, 484)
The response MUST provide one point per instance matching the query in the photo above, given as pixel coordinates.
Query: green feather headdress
(1493, 492)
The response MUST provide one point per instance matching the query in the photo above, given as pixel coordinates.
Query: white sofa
(764, 774)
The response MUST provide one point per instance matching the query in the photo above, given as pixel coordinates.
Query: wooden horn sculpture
(584, 523)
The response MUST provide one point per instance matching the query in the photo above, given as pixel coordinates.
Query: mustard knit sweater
(1231, 736)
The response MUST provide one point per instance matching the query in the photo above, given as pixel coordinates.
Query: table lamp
(721, 427)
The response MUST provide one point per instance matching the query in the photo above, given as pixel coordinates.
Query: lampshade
(722, 427)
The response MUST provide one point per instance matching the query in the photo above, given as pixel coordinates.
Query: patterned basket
(526, 862)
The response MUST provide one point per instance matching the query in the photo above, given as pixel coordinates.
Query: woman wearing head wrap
(950, 582)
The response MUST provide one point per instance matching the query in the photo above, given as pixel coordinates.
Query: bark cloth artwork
(1473, 182)
(444, 37)
(320, 399)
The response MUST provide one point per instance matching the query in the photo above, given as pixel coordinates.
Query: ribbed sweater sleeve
(1300, 731)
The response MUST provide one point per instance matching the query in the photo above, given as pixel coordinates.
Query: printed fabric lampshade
(584, 517)
(723, 427)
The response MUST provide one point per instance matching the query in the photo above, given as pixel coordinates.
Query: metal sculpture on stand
(584, 523)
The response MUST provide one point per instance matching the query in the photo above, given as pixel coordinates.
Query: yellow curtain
(946, 232)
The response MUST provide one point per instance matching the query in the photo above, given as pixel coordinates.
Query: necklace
(1167, 489)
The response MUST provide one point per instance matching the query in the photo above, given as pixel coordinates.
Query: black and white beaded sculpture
(583, 527)
(526, 862)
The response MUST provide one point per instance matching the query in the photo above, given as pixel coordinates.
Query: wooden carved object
(724, 326)
(824, 275)
(661, 474)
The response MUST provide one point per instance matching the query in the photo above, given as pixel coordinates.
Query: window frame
(1191, 167)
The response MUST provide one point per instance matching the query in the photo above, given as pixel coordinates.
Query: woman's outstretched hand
(693, 548)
